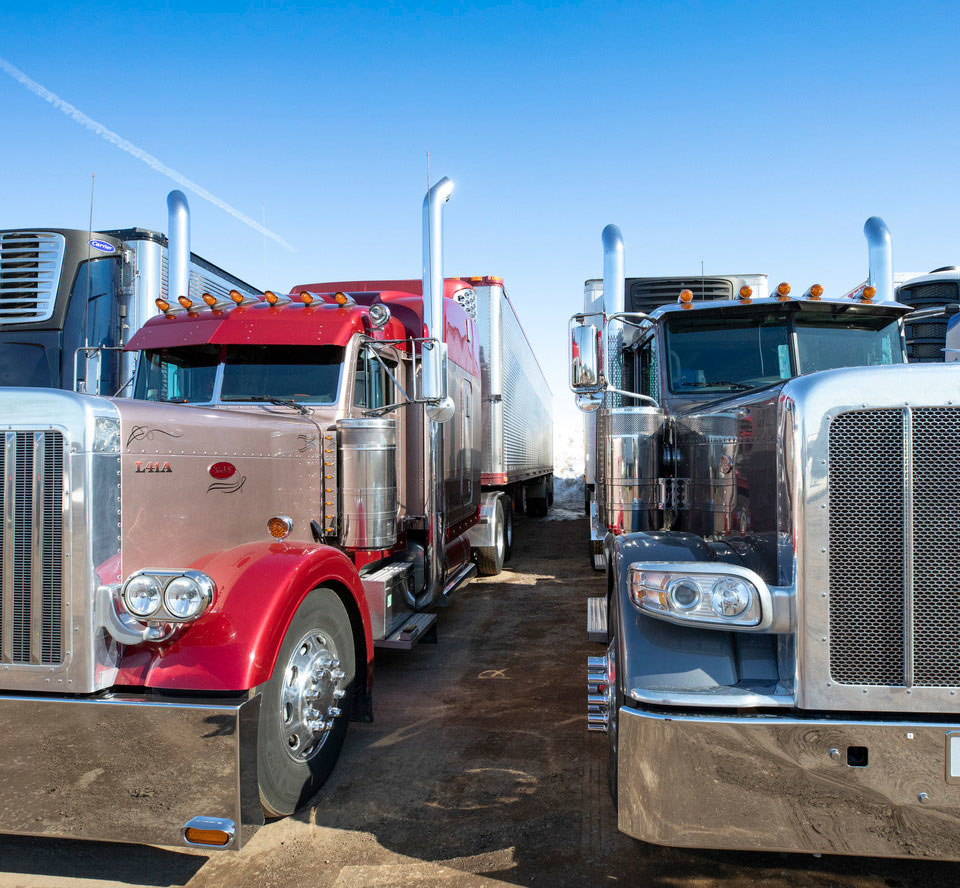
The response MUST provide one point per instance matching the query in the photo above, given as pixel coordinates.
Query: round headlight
(730, 596)
(142, 596)
(184, 598)
(684, 594)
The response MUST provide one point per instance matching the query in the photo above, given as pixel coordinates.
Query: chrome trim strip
(717, 698)
(9, 528)
(36, 550)
(908, 678)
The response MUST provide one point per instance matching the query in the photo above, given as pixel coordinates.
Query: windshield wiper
(738, 386)
(282, 402)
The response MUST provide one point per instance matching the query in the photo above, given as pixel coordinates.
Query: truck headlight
(168, 596)
(718, 595)
(142, 595)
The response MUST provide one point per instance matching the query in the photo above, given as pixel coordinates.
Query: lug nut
(338, 674)
(339, 693)
(333, 711)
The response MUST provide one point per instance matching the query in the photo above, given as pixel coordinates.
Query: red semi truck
(194, 580)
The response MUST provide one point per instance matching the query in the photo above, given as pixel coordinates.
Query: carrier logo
(222, 470)
(102, 246)
(153, 468)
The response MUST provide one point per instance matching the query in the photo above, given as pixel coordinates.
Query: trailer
(195, 579)
(779, 667)
(71, 300)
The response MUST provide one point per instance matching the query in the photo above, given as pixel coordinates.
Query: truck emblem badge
(222, 470)
(726, 465)
(103, 246)
(153, 467)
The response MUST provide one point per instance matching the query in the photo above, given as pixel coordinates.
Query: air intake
(646, 294)
(926, 338)
(30, 263)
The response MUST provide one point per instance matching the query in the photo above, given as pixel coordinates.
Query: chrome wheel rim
(310, 697)
(501, 541)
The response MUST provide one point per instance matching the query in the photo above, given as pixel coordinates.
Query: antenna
(703, 286)
(428, 169)
(86, 304)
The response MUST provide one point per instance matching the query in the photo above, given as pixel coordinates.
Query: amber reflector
(206, 836)
(236, 296)
(816, 291)
(279, 527)
(163, 305)
(686, 295)
(210, 300)
(340, 298)
(746, 292)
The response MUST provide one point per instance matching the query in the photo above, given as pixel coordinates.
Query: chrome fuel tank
(709, 444)
(368, 483)
(628, 472)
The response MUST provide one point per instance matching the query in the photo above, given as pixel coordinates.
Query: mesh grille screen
(646, 294)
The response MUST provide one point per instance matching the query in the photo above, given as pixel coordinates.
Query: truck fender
(234, 645)
(650, 652)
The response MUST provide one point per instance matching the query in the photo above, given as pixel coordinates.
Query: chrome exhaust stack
(613, 301)
(178, 247)
(438, 407)
(880, 258)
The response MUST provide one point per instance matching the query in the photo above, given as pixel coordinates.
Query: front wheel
(490, 558)
(306, 704)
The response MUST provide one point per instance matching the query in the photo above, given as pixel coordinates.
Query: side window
(373, 387)
(648, 368)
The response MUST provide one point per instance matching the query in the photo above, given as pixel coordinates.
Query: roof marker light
(686, 295)
(185, 301)
(746, 291)
(815, 292)
(783, 291)
(868, 294)
(210, 300)
(271, 297)
(236, 296)
(306, 298)
(340, 298)
(163, 305)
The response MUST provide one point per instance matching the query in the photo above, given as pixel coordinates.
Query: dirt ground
(478, 771)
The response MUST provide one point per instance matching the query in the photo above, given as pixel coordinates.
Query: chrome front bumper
(785, 784)
(127, 769)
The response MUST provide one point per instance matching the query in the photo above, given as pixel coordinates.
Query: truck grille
(30, 263)
(894, 562)
(31, 548)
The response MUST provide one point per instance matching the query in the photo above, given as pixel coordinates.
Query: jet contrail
(102, 131)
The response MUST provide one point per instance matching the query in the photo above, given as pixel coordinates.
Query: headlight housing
(720, 596)
(168, 596)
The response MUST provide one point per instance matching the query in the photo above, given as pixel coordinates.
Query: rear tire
(490, 558)
(508, 527)
(315, 672)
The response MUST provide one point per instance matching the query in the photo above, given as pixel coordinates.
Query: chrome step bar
(598, 694)
(418, 627)
(459, 578)
(597, 618)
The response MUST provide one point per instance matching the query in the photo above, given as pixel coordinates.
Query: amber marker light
(236, 296)
(271, 297)
(340, 298)
(163, 305)
(210, 300)
(185, 301)
(306, 298)
(783, 291)
(868, 293)
(816, 291)
(215, 837)
(746, 291)
(280, 526)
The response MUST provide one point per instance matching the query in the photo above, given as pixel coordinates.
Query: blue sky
(751, 136)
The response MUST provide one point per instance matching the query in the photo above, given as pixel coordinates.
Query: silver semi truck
(781, 625)
(71, 300)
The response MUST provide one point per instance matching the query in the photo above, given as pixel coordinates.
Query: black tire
(490, 558)
(287, 784)
(508, 527)
(537, 507)
(549, 491)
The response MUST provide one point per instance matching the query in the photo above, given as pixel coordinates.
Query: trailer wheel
(306, 704)
(538, 506)
(490, 558)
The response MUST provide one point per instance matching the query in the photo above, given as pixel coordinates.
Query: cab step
(417, 627)
(597, 619)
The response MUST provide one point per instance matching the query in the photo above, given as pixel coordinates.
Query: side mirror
(440, 407)
(585, 358)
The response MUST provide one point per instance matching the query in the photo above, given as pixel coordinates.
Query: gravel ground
(477, 771)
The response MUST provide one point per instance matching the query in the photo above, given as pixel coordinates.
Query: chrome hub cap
(312, 691)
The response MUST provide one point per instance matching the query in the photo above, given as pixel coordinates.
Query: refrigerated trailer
(71, 300)
(516, 406)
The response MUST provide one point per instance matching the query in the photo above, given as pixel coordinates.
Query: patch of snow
(567, 472)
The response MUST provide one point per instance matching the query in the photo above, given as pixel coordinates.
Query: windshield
(716, 355)
(188, 375)
(826, 345)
